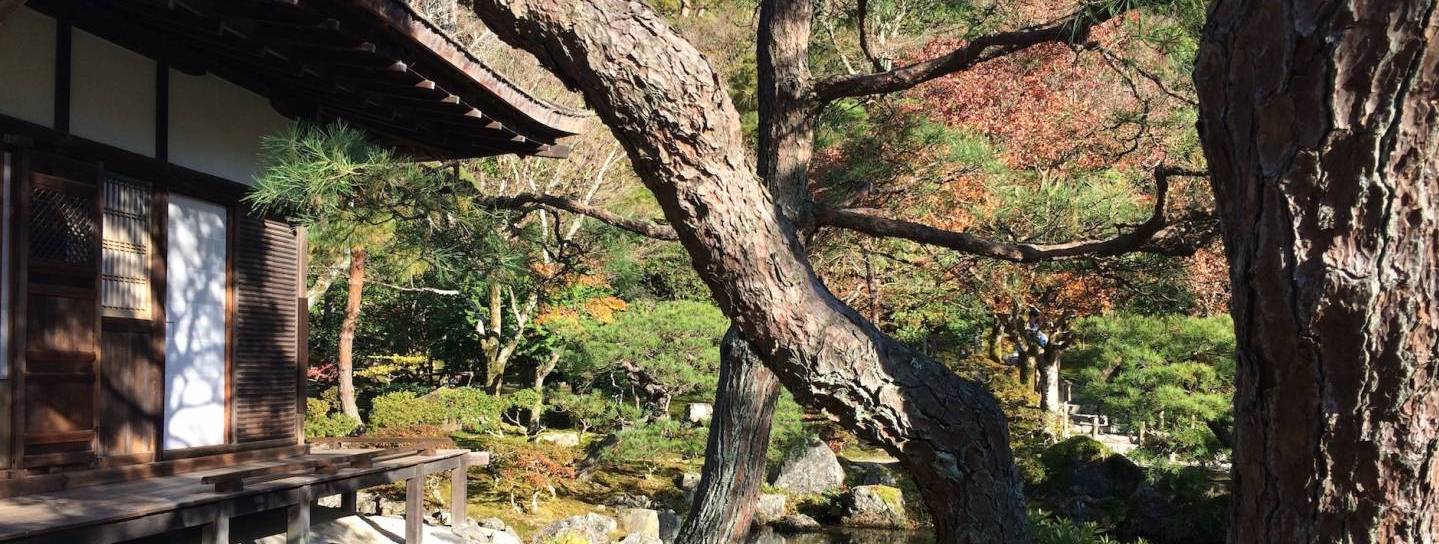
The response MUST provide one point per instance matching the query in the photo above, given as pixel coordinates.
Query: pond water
(842, 536)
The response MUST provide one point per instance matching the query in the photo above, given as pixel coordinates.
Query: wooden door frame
(14, 161)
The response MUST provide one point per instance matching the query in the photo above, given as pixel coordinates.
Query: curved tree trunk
(672, 113)
(744, 400)
(1319, 122)
(347, 333)
(739, 434)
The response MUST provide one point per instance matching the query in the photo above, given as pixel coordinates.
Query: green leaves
(676, 343)
(1173, 374)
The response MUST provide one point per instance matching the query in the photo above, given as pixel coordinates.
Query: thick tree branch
(527, 201)
(1146, 237)
(1072, 29)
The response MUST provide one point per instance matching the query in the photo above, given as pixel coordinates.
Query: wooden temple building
(152, 328)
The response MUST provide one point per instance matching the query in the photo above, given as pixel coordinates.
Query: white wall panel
(216, 126)
(27, 67)
(112, 94)
(195, 326)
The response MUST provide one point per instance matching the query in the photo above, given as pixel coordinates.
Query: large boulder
(559, 438)
(769, 508)
(872, 472)
(876, 507)
(809, 468)
(639, 521)
(699, 413)
(591, 528)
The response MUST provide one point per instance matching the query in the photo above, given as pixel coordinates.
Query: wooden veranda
(209, 499)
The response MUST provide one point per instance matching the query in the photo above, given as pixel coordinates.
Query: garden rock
(871, 473)
(476, 533)
(626, 500)
(592, 528)
(496, 524)
(796, 523)
(875, 506)
(699, 413)
(670, 523)
(560, 438)
(689, 481)
(638, 538)
(769, 508)
(641, 521)
(809, 468)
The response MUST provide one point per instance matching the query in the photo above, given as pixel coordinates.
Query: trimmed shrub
(319, 422)
(404, 408)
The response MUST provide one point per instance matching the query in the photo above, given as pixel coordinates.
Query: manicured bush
(404, 408)
(643, 444)
(471, 408)
(320, 422)
(594, 411)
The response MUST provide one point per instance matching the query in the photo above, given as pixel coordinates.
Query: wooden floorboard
(26, 516)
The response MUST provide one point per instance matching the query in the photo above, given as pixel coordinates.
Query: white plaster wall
(27, 67)
(112, 94)
(216, 126)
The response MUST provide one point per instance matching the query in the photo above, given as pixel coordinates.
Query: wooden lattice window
(126, 249)
(62, 229)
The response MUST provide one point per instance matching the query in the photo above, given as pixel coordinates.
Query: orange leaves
(603, 309)
(1047, 107)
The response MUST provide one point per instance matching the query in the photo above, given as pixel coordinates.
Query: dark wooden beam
(64, 36)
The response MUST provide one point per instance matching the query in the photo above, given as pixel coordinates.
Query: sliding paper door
(195, 302)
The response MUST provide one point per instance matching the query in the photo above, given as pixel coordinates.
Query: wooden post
(457, 496)
(216, 532)
(349, 502)
(414, 506)
(297, 530)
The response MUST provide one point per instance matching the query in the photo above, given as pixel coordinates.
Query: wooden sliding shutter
(266, 329)
(61, 220)
(132, 366)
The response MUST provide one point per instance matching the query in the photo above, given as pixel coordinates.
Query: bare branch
(1071, 29)
(431, 290)
(528, 201)
(863, 17)
(1151, 236)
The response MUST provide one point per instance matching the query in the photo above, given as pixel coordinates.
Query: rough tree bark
(747, 391)
(346, 349)
(734, 466)
(671, 112)
(1319, 123)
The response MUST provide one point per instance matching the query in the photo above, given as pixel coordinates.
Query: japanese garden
(732, 272)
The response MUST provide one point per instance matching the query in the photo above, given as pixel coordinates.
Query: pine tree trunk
(673, 115)
(347, 333)
(744, 401)
(1319, 123)
(1049, 399)
(739, 435)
